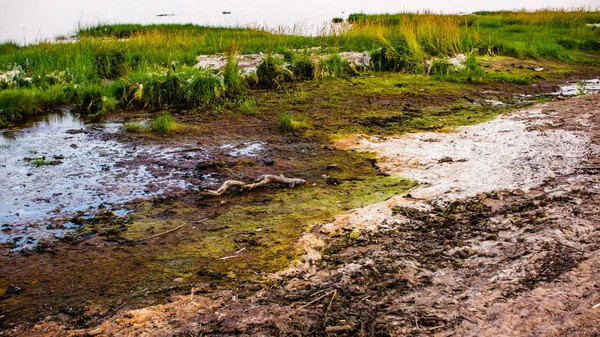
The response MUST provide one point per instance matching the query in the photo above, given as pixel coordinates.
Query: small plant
(37, 162)
(287, 123)
(301, 96)
(164, 124)
(248, 107)
(581, 89)
(135, 127)
(337, 20)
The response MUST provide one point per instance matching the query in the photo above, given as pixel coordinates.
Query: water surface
(59, 166)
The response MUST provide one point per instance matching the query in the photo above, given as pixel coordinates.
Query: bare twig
(596, 306)
(437, 327)
(163, 233)
(233, 255)
(338, 328)
(316, 299)
(472, 320)
(331, 302)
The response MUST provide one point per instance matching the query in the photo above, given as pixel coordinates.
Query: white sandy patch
(496, 155)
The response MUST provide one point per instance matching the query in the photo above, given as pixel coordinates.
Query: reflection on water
(30, 20)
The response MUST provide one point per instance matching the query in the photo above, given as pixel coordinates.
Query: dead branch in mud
(233, 255)
(167, 232)
(163, 233)
(260, 181)
(318, 298)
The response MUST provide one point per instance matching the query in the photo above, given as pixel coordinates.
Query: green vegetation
(289, 123)
(248, 106)
(163, 124)
(127, 66)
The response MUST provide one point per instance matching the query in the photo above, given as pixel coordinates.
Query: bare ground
(516, 261)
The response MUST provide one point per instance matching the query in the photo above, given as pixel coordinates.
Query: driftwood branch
(261, 181)
(161, 234)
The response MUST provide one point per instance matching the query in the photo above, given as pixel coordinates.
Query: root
(261, 181)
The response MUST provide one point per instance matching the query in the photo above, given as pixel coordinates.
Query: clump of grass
(335, 66)
(470, 71)
(164, 124)
(21, 102)
(387, 59)
(271, 73)
(203, 89)
(110, 64)
(287, 123)
(135, 127)
(248, 106)
(163, 90)
(89, 100)
(37, 162)
(232, 78)
(302, 66)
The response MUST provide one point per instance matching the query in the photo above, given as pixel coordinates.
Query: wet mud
(359, 250)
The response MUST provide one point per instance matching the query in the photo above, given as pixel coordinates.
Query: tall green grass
(151, 67)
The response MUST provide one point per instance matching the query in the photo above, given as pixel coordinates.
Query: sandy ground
(501, 239)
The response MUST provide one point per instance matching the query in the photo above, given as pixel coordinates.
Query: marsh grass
(165, 124)
(289, 123)
(232, 77)
(248, 106)
(151, 67)
(271, 72)
(21, 102)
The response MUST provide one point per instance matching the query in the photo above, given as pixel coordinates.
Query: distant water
(27, 21)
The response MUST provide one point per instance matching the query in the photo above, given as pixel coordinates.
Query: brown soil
(505, 263)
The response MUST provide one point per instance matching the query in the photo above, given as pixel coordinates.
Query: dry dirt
(501, 239)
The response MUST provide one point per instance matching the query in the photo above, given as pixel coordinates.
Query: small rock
(95, 332)
(73, 310)
(538, 68)
(268, 161)
(13, 290)
(446, 160)
(333, 167)
(333, 181)
(73, 146)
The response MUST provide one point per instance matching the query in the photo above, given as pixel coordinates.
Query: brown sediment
(404, 266)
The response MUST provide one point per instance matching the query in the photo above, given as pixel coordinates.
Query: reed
(151, 66)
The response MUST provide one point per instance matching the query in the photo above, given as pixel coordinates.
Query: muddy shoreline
(352, 259)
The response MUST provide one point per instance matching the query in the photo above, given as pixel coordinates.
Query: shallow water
(26, 21)
(580, 88)
(79, 171)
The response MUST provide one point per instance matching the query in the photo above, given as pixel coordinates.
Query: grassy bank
(151, 67)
